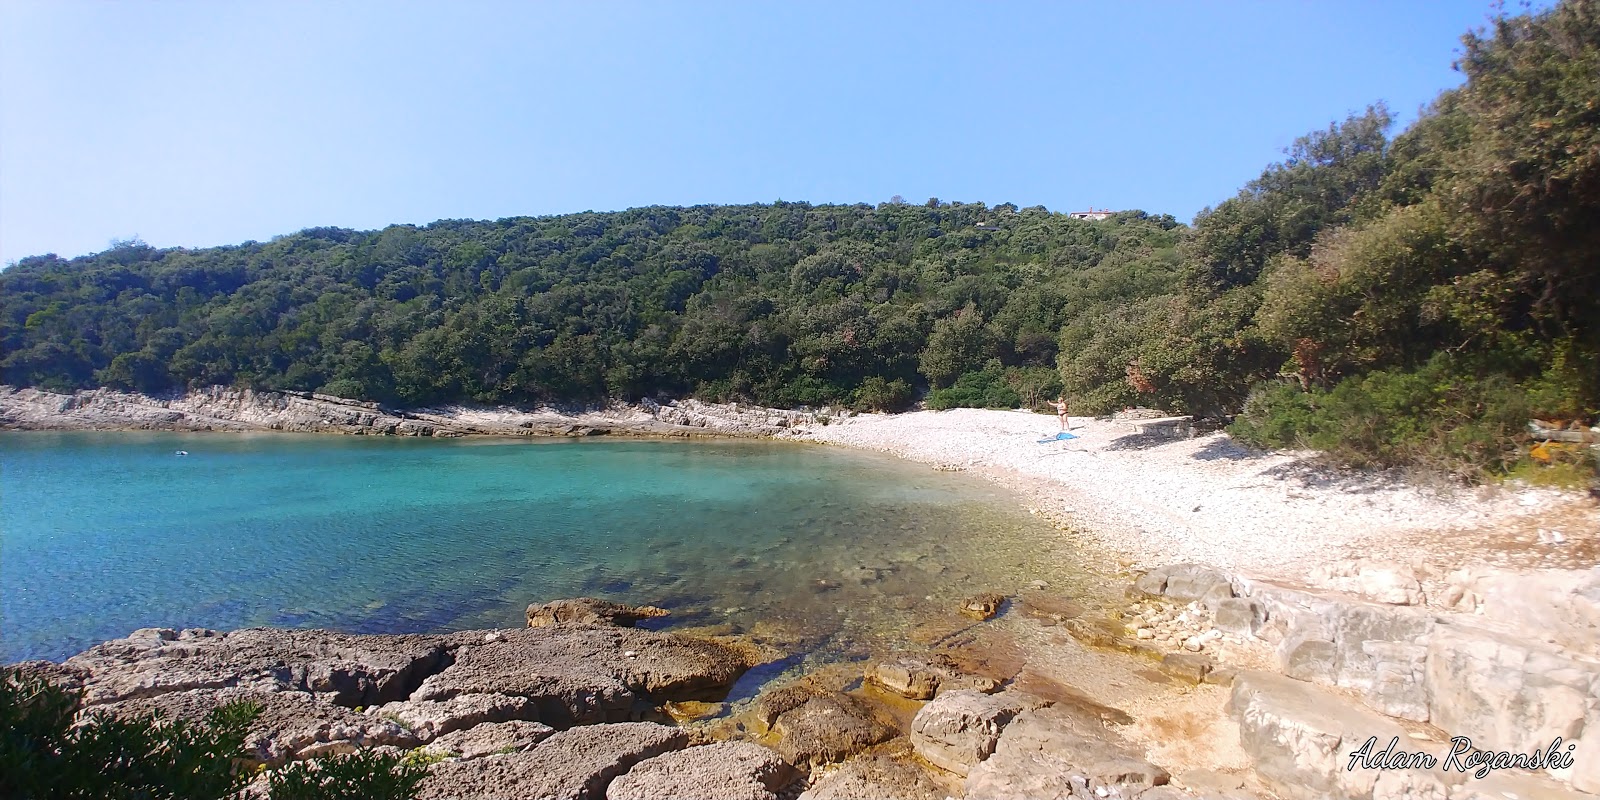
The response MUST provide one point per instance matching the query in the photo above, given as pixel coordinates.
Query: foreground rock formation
(220, 408)
(1368, 662)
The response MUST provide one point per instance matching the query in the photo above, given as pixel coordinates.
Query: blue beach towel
(1060, 437)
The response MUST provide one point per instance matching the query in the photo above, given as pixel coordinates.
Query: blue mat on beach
(1060, 437)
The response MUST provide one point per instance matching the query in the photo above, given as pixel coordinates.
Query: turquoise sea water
(102, 533)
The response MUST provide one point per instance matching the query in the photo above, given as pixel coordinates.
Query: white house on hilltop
(1092, 215)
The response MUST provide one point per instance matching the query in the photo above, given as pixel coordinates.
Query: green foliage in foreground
(43, 755)
(364, 775)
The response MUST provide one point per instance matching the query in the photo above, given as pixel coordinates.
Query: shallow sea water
(843, 551)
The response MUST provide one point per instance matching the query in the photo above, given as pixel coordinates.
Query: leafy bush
(985, 388)
(364, 775)
(43, 754)
(1444, 417)
(877, 394)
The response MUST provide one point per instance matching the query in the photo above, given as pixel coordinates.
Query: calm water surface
(102, 533)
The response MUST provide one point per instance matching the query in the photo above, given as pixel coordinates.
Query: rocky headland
(244, 410)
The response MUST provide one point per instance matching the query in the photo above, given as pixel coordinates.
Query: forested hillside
(783, 304)
(1393, 300)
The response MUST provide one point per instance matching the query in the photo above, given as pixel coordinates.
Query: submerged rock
(590, 611)
(983, 606)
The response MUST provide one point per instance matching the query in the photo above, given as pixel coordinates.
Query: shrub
(1442, 417)
(878, 394)
(985, 388)
(43, 755)
(364, 775)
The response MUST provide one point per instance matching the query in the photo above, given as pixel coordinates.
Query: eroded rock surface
(344, 669)
(576, 764)
(818, 727)
(876, 778)
(722, 771)
(1054, 753)
(960, 729)
(429, 719)
(291, 726)
(580, 674)
(493, 738)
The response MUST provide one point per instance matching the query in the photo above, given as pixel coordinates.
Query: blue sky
(197, 123)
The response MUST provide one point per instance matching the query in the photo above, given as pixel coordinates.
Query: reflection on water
(832, 551)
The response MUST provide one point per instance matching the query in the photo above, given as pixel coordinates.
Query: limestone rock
(1506, 693)
(1586, 758)
(1240, 615)
(722, 771)
(292, 725)
(429, 719)
(576, 764)
(346, 669)
(579, 674)
(959, 729)
(875, 778)
(818, 727)
(1053, 753)
(1186, 583)
(1186, 666)
(907, 678)
(590, 611)
(1337, 640)
(1301, 737)
(983, 606)
(491, 738)
(1504, 785)
(1380, 581)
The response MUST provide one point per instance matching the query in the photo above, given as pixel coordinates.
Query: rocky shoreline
(245, 410)
(581, 704)
(1216, 680)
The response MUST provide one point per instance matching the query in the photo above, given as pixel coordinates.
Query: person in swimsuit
(1060, 404)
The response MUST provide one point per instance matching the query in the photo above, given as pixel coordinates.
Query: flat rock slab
(348, 670)
(494, 738)
(722, 771)
(292, 725)
(576, 764)
(876, 778)
(1054, 753)
(580, 674)
(429, 719)
(1301, 738)
(960, 729)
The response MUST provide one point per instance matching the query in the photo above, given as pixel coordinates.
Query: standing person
(1060, 404)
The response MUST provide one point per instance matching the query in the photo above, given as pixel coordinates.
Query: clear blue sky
(201, 123)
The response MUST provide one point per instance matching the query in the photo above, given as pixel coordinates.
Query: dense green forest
(1393, 300)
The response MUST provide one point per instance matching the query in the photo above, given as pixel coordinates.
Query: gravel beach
(1207, 499)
